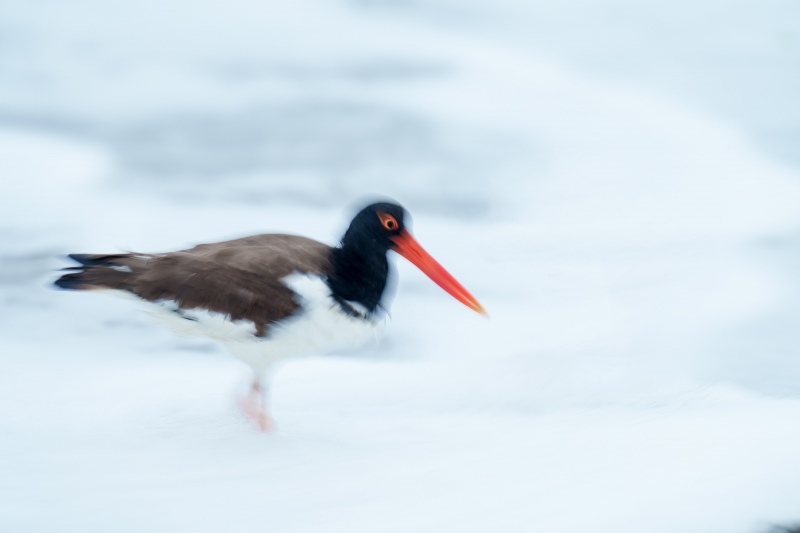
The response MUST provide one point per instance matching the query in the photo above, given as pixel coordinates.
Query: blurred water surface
(616, 181)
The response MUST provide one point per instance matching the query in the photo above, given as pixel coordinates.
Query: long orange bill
(406, 245)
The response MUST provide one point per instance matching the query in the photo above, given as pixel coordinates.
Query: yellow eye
(388, 221)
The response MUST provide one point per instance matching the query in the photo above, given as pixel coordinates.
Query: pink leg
(255, 406)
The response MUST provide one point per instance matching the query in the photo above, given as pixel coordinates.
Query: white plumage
(318, 327)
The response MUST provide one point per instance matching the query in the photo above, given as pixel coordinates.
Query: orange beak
(406, 245)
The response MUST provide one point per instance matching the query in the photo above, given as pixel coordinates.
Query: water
(616, 183)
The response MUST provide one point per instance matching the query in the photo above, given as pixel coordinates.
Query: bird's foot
(251, 406)
(264, 422)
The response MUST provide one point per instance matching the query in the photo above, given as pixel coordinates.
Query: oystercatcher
(269, 297)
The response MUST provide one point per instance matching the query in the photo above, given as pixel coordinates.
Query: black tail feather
(90, 260)
(73, 281)
(96, 271)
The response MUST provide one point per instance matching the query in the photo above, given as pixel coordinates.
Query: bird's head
(382, 226)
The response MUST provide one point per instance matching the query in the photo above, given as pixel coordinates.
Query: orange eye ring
(388, 222)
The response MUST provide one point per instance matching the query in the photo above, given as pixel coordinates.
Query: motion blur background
(618, 182)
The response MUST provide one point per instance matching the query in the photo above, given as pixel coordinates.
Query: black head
(360, 267)
(373, 227)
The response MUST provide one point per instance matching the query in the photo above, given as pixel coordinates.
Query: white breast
(319, 326)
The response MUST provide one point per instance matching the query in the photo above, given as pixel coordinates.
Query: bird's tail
(99, 272)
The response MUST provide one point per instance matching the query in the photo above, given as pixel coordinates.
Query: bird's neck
(358, 275)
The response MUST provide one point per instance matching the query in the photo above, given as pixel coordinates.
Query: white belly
(320, 326)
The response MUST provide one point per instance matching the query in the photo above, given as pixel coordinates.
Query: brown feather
(239, 278)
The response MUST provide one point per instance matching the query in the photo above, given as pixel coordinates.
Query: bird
(270, 297)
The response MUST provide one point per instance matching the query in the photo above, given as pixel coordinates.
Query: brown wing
(239, 278)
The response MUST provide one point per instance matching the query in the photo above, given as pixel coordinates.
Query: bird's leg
(268, 423)
(250, 402)
(255, 405)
